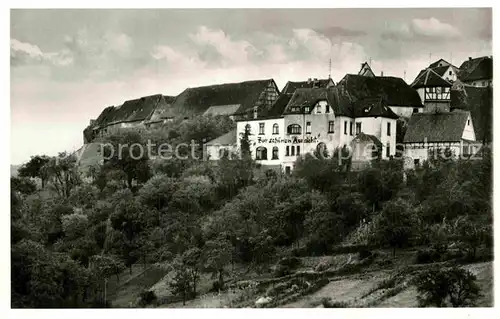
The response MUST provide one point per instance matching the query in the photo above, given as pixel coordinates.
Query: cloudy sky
(67, 65)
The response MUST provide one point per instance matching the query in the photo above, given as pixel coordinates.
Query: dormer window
(327, 109)
(318, 109)
(468, 122)
(306, 109)
(255, 113)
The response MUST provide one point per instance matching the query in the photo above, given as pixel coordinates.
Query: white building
(428, 132)
(315, 119)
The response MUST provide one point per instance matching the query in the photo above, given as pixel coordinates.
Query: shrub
(438, 287)
(147, 297)
(365, 253)
(328, 303)
(427, 256)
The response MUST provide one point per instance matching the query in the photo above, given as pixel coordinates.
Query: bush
(328, 303)
(286, 266)
(147, 297)
(440, 287)
(427, 256)
(365, 253)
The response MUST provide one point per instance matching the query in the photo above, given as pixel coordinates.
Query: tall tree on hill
(35, 168)
(127, 152)
(63, 173)
(245, 142)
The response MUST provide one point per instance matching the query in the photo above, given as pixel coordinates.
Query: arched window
(276, 129)
(294, 129)
(261, 153)
(275, 153)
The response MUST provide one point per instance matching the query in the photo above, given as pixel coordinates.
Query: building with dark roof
(433, 89)
(427, 132)
(244, 99)
(132, 113)
(399, 96)
(313, 119)
(290, 86)
(477, 71)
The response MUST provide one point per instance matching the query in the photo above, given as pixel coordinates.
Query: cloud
(23, 53)
(230, 51)
(336, 31)
(421, 30)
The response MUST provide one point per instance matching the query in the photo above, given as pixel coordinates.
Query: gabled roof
(163, 110)
(395, 91)
(373, 107)
(135, 110)
(227, 139)
(366, 70)
(278, 107)
(436, 127)
(436, 64)
(479, 101)
(198, 100)
(290, 87)
(338, 101)
(476, 69)
(429, 78)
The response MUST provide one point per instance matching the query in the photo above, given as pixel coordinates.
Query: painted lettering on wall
(292, 140)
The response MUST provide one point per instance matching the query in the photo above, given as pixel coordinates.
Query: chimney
(381, 73)
(470, 59)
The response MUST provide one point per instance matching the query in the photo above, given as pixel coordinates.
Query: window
(358, 128)
(223, 153)
(276, 129)
(465, 150)
(450, 73)
(293, 150)
(298, 150)
(308, 127)
(287, 170)
(306, 109)
(350, 128)
(261, 153)
(345, 127)
(255, 112)
(261, 128)
(331, 127)
(275, 153)
(388, 150)
(415, 110)
(431, 90)
(327, 109)
(318, 109)
(438, 90)
(294, 129)
(388, 129)
(468, 122)
(287, 152)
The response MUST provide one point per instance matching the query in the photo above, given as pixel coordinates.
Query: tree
(245, 142)
(396, 225)
(35, 168)
(22, 185)
(158, 191)
(63, 174)
(74, 225)
(437, 287)
(186, 269)
(217, 255)
(127, 152)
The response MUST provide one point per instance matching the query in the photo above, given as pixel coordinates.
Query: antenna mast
(330, 68)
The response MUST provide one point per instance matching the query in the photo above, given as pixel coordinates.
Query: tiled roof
(227, 139)
(373, 107)
(479, 101)
(429, 78)
(339, 101)
(290, 87)
(395, 91)
(198, 100)
(436, 127)
(476, 69)
(278, 107)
